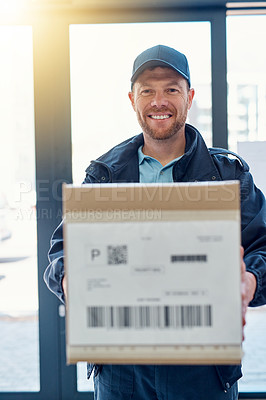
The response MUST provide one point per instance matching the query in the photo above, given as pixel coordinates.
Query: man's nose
(159, 100)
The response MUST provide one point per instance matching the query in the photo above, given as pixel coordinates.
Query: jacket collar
(120, 164)
(196, 164)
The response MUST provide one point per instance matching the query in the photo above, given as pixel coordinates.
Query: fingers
(243, 265)
(243, 289)
(64, 286)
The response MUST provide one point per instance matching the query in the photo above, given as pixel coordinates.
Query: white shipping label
(141, 283)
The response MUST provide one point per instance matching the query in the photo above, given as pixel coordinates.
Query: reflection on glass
(19, 348)
(246, 79)
(101, 61)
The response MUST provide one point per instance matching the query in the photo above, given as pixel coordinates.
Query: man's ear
(190, 97)
(131, 98)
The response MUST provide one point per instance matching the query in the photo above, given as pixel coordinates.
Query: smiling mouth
(159, 117)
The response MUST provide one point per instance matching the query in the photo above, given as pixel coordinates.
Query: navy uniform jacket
(199, 163)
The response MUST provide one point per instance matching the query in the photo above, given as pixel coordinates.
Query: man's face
(161, 99)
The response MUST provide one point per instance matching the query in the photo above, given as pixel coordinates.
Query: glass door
(100, 68)
(247, 133)
(19, 318)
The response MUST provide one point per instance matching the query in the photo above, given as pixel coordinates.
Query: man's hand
(248, 287)
(64, 286)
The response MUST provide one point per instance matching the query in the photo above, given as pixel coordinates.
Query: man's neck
(164, 150)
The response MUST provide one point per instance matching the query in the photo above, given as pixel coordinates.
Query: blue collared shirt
(151, 170)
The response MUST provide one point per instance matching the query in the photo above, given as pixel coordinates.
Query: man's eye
(172, 90)
(145, 92)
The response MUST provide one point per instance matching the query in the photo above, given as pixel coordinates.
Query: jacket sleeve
(54, 273)
(253, 227)
(253, 219)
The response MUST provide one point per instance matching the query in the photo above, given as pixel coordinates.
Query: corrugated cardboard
(145, 264)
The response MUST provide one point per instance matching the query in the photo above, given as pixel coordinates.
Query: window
(246, 64)
(19, 334)
(247, 123)
(100, 80)
(101, 63)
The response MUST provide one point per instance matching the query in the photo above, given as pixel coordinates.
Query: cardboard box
(153, 273)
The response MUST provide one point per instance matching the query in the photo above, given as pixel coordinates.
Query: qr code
(117, 255)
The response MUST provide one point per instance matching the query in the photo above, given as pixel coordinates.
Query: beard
(162, 134)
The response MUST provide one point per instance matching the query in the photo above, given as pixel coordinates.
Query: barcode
(189, 258)
(117, 254)
(154, 317)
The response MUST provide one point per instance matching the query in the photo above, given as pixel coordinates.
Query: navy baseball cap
(161, 56)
